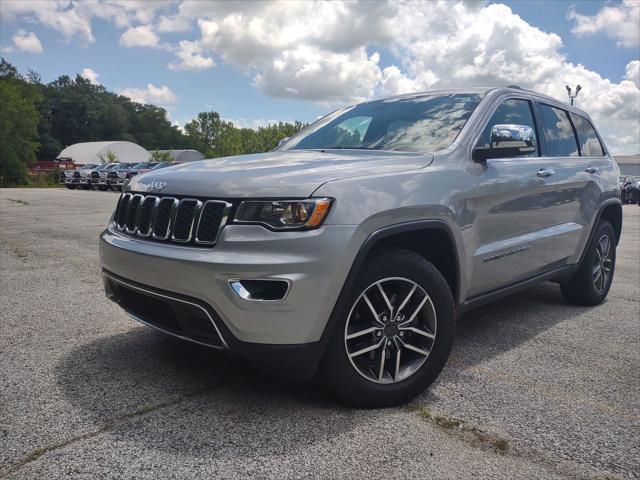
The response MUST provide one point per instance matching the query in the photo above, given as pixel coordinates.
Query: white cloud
(310, 73)
(62, 16)
(633, 72)
(621, 22)
(326, 51)
(90, 75)
(25, 42)
(174, 23)
(156, 95)
(141, 36)
(191, 58)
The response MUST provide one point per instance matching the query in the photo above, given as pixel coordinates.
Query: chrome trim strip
(236, 286)
(121, 282)
(151, 218)
(193, 219)
(225, 216)
(136, 218)
(121, 226)
(169, 224)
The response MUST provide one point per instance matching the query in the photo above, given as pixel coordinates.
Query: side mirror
(507, 141)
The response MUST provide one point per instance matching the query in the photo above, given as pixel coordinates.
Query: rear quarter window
(590, 145)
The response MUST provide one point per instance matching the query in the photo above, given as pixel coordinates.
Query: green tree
(19, 118)
(161, 156)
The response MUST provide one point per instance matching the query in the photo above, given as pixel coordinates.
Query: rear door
(581, 162)
(514, 204)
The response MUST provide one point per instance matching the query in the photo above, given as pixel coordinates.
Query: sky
(256, 62)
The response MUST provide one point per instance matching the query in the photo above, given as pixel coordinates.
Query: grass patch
(461, 428)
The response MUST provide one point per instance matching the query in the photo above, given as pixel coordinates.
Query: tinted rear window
(589, 143)
(561, 141)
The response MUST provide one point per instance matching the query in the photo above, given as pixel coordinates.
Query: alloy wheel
(602, 263)
(390, 331)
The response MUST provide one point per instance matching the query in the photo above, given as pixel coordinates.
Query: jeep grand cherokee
(351, 250)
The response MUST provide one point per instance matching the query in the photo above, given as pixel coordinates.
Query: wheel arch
(405, 235)
(613, 214)
(610, 211)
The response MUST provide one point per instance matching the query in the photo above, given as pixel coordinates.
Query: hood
(293, 173)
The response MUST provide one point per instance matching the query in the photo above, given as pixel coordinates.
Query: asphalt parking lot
(535, 388)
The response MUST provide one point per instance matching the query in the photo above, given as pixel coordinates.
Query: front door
(514, 204)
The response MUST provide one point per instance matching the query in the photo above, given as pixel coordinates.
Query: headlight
(285, 214)
(122, 174)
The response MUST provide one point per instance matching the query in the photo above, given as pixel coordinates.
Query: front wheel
(590, 284)
(394, 333)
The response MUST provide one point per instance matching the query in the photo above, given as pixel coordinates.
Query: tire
(586, 286)
(85, 187)
(103, 188)
(349, 375)
(71, 187)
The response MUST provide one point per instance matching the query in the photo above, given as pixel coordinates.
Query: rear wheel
(71, 187)
(395, 333)
(590, 284)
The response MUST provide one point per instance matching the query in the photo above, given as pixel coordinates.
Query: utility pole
(572, 96)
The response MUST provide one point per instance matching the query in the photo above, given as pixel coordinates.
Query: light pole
(572, 96)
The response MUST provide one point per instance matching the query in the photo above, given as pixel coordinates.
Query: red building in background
(42, 166)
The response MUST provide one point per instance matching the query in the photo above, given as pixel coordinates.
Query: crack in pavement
(108, 426)
(483, 439)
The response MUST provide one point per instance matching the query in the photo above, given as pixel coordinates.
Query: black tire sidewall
(341, 375)
(604, 227)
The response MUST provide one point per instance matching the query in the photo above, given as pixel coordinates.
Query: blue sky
(296, 60)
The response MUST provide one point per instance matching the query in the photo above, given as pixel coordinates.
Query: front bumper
(315, 263)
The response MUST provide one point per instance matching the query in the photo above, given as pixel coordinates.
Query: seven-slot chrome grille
(186, 221)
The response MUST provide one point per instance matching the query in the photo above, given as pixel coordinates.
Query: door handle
(546, 172)
(592, 170)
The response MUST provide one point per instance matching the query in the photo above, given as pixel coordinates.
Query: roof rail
(515, 86)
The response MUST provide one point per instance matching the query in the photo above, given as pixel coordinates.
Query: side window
(589, 143)
(510, 112)
(561, 141)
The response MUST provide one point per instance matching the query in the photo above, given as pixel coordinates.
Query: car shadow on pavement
(504, 324)
(171, 395)
(209, 403)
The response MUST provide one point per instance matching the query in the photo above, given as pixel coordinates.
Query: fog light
(260, 290)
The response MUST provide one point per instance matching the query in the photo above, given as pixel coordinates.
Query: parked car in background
(72, 178)
(164, 165)
(352, 249)
(117, 176)
(81, 177)
(99, 176)
(629, 189)
(142, 168)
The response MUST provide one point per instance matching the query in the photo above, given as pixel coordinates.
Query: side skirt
(555, 274)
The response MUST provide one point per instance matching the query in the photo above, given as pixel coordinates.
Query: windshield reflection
(418, 124)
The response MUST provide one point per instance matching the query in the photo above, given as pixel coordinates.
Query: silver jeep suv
(349, 251)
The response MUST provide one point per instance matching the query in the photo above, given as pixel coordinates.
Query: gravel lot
(535, 388)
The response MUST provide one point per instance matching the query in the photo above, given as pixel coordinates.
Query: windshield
(419, 124)
(145, 165)
(123, 166)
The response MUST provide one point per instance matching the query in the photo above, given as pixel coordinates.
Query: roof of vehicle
(485, 91)
(95, 152)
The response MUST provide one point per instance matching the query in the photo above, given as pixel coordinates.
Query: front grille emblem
(155, 186)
